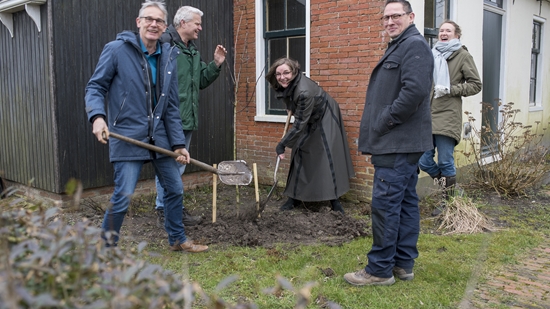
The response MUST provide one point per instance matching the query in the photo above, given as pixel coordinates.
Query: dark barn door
(80, 30)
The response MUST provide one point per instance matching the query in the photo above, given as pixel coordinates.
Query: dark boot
(289, 204)
(447, 184)
(189, 220)
(337, 206)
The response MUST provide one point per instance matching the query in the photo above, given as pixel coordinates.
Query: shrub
(514, 159)
(47, 263)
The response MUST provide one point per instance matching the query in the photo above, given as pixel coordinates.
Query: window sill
(272, 118)
(535, 108)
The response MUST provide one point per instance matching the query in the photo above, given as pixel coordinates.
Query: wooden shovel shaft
(172, 154)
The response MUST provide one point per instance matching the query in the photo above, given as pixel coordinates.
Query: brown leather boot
(188, 246)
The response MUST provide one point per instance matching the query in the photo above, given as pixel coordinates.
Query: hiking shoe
(189, 220)
(189, 246)
(403, 274)
(361, 278)
(160, 217)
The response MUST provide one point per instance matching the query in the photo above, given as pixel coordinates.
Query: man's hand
(100, 129)
(219, 55)
(184, 158)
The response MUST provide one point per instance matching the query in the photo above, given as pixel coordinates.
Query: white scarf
(442, 51)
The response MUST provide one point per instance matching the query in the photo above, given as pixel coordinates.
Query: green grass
(444, 268)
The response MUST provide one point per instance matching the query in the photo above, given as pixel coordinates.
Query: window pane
(536, 36)
(441, 12)
(297, 50)
(276, 49)
(497, 3)
(435, 12)
(275, 15)
(296, 15)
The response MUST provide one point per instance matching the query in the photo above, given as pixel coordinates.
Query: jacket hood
(128, 36)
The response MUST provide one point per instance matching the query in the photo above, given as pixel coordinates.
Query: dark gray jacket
(396, 117)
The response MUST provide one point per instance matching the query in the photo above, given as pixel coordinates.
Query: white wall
(520, 18)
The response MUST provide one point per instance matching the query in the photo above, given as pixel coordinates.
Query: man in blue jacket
(136, 76)
(193, 75)
(396, 129)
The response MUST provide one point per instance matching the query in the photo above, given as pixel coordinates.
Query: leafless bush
(510, 158)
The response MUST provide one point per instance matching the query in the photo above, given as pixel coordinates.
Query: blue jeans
(159, 201)
(445, 157)
(395, 217)
(126, 177)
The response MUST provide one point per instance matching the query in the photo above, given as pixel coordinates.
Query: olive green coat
(193, 75)
(465, 81)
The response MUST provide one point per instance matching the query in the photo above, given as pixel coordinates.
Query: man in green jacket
(193, 75)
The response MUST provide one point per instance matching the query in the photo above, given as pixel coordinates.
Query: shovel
(275, 180)
(229, 172)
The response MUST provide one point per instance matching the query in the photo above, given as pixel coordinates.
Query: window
(284, 35)
(435, 12)
(497, 3)
(535, 64)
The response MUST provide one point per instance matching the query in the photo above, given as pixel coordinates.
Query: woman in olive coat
(455, 76)
(320, 166)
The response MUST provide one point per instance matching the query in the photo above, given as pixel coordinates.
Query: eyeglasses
(149, 20)
(285, 73)
(393, 17)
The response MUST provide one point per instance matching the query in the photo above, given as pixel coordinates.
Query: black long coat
(321, 164)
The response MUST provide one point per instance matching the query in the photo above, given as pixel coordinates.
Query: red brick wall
(346, 43)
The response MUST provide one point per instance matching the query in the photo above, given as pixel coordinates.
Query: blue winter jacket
(121, 80)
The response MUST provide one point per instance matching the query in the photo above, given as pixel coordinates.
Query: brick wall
(346, 43)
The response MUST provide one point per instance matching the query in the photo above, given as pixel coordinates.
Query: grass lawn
(447, 265)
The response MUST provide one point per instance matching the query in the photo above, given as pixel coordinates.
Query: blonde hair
(458, 31)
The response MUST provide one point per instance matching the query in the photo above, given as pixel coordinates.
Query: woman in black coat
(320, 166)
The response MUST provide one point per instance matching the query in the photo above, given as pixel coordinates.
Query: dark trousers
(395, 214)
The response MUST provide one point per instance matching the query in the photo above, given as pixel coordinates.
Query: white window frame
(261, 68)
(538, 93)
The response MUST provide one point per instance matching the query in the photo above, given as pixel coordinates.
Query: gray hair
(186, 13)
(156, 3)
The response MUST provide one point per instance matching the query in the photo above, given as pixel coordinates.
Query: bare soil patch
(237, 222)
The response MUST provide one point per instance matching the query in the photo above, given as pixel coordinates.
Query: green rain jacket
(193, 75)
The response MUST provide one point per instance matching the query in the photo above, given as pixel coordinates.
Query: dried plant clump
(509, 159)
(461, 216)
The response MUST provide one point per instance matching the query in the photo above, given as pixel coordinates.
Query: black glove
(280, 149)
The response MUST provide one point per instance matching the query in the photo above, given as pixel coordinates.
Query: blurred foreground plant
(47, 263)
(510, 158)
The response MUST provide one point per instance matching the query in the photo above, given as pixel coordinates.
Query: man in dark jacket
(396, 130)
(193, 75)
(134, 77)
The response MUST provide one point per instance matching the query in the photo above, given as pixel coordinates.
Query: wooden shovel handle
(289, 115)
(167, 152)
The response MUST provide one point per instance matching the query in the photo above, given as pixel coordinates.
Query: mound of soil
(238, 222)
